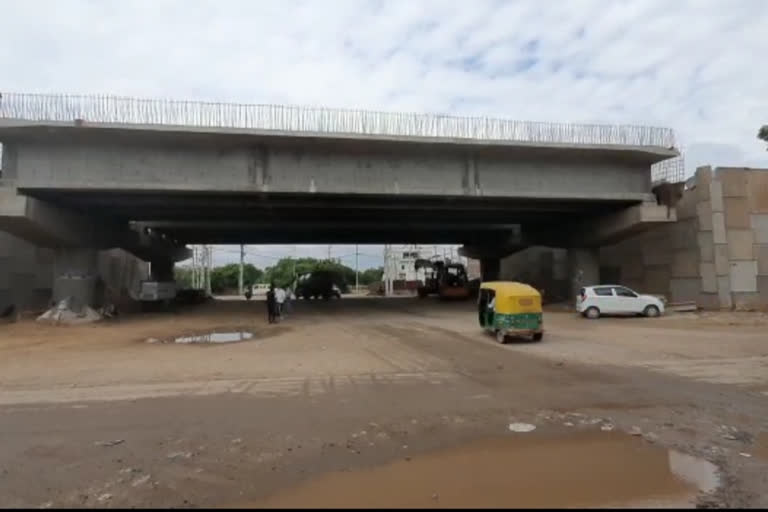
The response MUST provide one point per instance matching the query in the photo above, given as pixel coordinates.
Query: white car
(609, 299)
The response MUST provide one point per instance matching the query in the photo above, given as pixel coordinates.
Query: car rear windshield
(603, 292)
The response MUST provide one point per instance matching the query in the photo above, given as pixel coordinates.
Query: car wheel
(592, 313)
(501, 337)
(537, 336)
(651, 311)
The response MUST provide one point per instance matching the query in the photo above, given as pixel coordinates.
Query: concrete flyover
(152, 176)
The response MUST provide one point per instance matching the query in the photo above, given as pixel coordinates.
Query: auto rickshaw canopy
(512, 297)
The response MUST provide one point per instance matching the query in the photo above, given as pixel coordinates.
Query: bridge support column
(584, 269)
(490, 268)
(76, 277)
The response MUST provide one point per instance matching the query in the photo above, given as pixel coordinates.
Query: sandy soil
(353, 384)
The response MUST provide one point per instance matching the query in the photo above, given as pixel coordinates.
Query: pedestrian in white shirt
(280, 299)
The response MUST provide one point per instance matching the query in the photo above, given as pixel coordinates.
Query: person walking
(289, 298)
(271, 304)
(279, 300)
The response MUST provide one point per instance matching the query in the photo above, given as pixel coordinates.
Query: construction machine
(445, 279)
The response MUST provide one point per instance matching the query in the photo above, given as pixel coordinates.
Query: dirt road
(109, 415)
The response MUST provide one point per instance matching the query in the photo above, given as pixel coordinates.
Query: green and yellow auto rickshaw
(507, 309)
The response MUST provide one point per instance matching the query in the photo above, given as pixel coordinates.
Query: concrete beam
(46, 225)
(614, 227)
(502, 246)
(85, 161)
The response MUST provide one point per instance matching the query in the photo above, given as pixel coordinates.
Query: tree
(285, 271)
(371, 275)
(183, 277)
(226, 278)
(762, 134)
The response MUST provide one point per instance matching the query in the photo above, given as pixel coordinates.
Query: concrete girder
(46, 225)
(613, 227)
(103, 158)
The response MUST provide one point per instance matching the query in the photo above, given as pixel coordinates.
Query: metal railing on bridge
(123, 110)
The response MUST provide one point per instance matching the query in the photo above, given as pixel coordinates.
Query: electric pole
(357, 269)
(208, 266)
(240, 276)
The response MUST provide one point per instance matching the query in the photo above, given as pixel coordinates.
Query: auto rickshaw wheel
(537, 336)
(501, 337)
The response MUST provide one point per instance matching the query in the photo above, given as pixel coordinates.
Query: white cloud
(694, 65)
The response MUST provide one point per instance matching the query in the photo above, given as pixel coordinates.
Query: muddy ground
(384, 402)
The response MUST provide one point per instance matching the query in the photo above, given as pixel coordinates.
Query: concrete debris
(607, 427)
(180, 455)
(635, 431)
(108, 311)
(141, 480)
(568, 424)
(521, 427)
(743, 454)
(650, 437)
(109, 443)
(103, 498)
(682, 307)
(236, 441)
(62, 313)
(126, 471)
(47, 504)
(153, 340)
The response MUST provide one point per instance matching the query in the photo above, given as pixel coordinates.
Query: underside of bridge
(264, 218)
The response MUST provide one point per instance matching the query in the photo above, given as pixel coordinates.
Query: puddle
(588, 469)
(216, 337)
(219, 336)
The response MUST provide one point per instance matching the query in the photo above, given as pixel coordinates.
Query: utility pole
(357, 269)
(197, 269)
(329, 253)
(387, 270)
(385, 276)
(240, 276)
(208, 266)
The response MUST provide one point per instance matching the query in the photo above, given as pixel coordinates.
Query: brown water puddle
(587, 469)
(761, 446)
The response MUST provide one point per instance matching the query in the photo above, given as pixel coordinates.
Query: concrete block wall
(27, 275)
(715, 254)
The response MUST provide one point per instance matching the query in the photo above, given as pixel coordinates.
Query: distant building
(400, 262)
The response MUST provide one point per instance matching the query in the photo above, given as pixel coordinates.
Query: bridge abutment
(583, 269)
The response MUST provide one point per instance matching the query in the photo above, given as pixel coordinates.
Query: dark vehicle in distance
(447, 280)
(320, 284)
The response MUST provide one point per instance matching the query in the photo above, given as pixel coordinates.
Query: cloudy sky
(697, 66)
